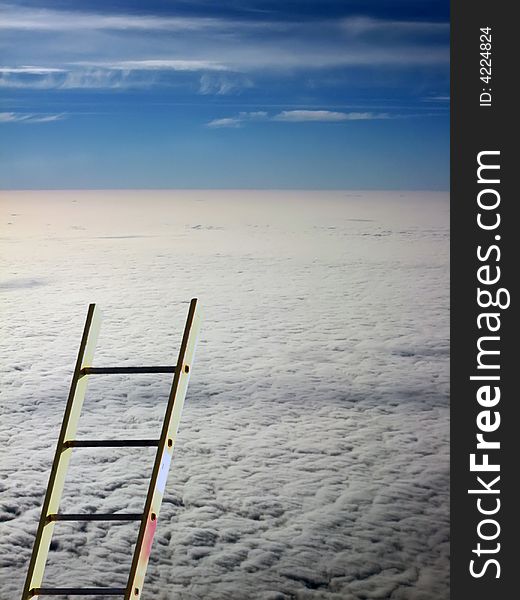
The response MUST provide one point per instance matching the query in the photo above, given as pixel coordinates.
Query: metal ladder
(66, 442)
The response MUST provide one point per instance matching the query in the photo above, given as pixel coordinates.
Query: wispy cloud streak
(327, 115)
(94, 49)
(155, 65)
(12, 117)
(30, 70)
(21, 18)
(298, 116)
(211, 83)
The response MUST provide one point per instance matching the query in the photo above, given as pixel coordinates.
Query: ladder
(67, 442)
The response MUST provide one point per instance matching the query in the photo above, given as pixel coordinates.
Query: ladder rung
(109, 443)
(125, 370)
(96, 517)
(77, 591)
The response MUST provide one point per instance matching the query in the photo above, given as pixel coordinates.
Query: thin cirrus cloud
(156, 65)
(221, 85)
(98, 50)
(30, 70)
(63, 79)
(296, 116)
(13, 117)
(252, 58)
(437, 99)
(22, 18)
(109, 75)
(326, 115)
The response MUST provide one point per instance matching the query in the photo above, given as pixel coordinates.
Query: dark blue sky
(265, 94)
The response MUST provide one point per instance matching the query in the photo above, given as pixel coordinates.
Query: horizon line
(228, 189)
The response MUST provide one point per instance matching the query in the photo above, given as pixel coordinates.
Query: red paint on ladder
(151, 526)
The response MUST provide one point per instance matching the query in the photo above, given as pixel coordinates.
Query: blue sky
(231, 94)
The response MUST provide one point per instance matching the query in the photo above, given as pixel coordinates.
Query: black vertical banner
(485, 258)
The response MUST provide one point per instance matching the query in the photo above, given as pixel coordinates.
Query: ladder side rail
(63, 453)
(164, 452)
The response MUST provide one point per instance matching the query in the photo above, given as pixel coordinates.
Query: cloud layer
(312, 460)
